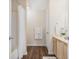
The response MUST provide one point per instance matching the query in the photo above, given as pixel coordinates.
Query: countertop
(61, 39)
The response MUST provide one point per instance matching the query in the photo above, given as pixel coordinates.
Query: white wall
(22, 31)
(36, 15)
(58, 13)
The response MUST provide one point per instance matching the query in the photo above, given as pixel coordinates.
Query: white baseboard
(36, 45)
(50, 52)
(46, 57)
(14, 54)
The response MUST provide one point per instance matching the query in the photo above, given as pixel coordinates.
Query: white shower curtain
(22, 37)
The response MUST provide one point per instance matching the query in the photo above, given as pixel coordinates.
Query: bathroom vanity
(60, 47)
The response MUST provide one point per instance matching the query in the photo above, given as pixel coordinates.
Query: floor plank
(35, 52)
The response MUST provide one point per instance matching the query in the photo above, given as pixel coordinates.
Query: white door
(12, 32)
(47, 23)
(10, 39)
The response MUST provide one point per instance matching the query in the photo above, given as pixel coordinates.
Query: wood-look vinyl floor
(36, 52)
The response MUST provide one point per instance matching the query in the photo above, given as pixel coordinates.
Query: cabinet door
(65, 52)
(55, 46)
(59, 49)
